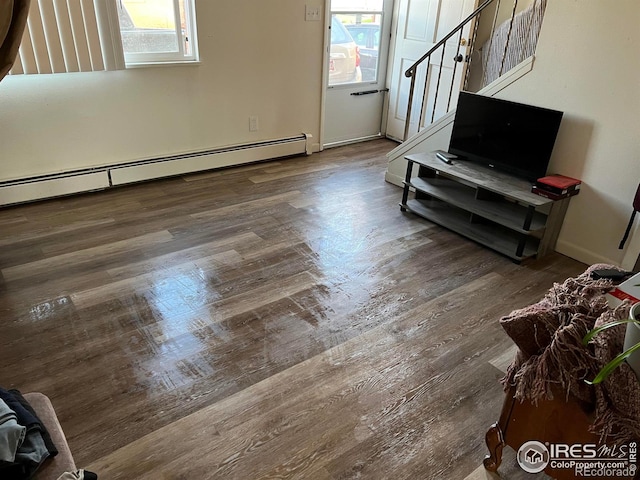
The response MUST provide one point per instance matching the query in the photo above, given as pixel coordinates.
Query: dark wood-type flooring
(278, 320)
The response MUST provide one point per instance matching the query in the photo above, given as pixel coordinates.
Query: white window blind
(91, 35)
(70, 36)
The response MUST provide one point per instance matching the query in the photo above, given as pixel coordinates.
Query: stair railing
(412, 71)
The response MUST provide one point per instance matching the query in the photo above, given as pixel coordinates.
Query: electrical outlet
(312, 13)
(253, 124)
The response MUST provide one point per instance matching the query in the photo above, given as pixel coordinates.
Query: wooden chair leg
(495, 443)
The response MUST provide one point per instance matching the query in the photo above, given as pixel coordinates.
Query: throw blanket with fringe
(551, 355)
(522, 42)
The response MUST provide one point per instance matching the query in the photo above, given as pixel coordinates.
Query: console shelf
(492, 208)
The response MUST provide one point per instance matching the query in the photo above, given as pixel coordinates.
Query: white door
(420, 25)
(357, 49)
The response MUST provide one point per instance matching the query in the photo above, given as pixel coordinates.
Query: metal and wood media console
(490, 207)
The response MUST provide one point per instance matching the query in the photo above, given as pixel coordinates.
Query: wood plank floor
(278, 320)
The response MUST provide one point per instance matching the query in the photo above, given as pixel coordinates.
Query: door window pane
(364, 29)
(344, 55)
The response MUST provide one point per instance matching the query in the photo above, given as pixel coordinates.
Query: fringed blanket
(510, 43)
(549, 335)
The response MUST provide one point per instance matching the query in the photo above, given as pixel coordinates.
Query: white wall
(587, 66)
(257, 58)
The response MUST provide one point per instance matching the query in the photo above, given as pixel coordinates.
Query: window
(92, 35)
(157, 31)
(354, 50)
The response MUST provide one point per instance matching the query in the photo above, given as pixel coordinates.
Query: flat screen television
(508, 136)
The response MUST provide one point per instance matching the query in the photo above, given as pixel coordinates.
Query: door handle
(458, 58)
(369, 92)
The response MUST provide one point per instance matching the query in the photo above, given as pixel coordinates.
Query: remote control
(444, 158)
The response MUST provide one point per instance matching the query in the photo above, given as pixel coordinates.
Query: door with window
(357, 49)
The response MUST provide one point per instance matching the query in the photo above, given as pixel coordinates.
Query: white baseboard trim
(581, 254)
(78, 181)
(206, 161)
(52, 187)
(393, 179)
(352, 141)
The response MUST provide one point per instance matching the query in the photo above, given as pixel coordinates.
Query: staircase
(503, 37)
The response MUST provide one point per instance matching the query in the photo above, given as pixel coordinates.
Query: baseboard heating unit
(99, 178)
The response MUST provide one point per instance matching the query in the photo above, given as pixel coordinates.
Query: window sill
(129, 66)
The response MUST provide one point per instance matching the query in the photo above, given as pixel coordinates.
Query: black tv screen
(512, 137)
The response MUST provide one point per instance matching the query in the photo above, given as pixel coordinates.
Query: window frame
(144, 59)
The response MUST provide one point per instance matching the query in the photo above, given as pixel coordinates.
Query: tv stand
(490, 207)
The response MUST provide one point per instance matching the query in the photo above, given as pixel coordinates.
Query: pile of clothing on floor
(25, 443)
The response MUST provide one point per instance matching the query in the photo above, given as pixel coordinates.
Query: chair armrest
(63, 462)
